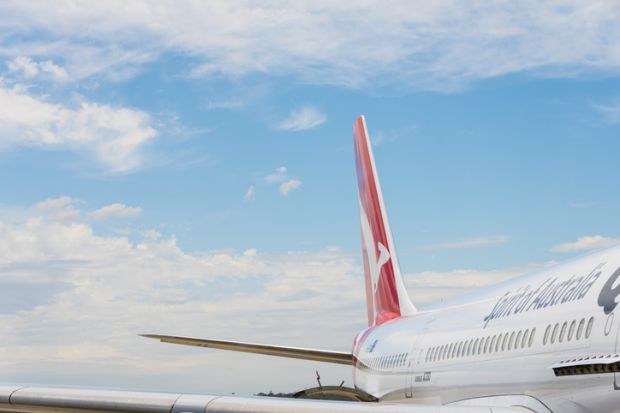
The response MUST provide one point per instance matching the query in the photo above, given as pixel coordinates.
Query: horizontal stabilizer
(338, 357)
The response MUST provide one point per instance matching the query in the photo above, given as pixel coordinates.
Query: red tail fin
(385, 290)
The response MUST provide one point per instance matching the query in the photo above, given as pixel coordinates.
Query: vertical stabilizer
(386, 295)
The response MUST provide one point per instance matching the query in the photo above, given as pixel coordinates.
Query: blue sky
(188, 169)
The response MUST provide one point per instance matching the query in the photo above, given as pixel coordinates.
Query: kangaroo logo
(384, 257)
(608, 295)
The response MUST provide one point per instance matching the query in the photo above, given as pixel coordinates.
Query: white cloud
(116, 210)
(55, 203)
(23, 65)
(66, 279)
(59, 209)
(586, 243)
(289, 186)
(83, 279)
(278, 175)
(468, 243)
(112, 136)
(303, 118)
(430, 287)
(225, 104)
(436, 45)
(250, 194)
(611, 112)
(28, 68)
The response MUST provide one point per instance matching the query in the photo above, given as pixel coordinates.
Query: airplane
(544, 342)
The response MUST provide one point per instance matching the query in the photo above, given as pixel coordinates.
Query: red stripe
(386, 296)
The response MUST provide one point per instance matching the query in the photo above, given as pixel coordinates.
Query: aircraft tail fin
(386, 295)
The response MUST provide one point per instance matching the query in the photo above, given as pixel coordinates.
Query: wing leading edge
(327, 356)
(16, 399)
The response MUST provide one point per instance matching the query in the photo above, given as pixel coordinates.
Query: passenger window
(518, 340)
(512, 339)
(554, 334)
(499, 343)
(480, 345)
(580, 328)
(532, 337)
(454, 348)
(486, 345)
(474, 351)
(589, 327)
(563, 331)
(546, 336)
(571, 330)
(504, 341)
(428, 352)
(524, 340)
(459, 352)
(492, 346)
(443, 352)
(469, 343)
(449, 355)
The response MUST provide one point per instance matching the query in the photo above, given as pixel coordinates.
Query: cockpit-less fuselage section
(543, 342)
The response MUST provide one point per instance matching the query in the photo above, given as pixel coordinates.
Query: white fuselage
(501, 342)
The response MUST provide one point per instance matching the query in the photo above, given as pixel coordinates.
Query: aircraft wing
(338, 357)
(16, 399)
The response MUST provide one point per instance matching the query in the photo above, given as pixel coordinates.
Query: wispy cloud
(225, 104)
(27, 68)
(250, 194)
(286, 182)
(289, 186)
(430, 287)
(276, 176)
(430, 45)
(55, 203)
(280, 177)
(611, 112)
(304, 118)
(59, 209)
(116, 211)
(468, 243)
(113, 136)
(583, 204)
(586, 243)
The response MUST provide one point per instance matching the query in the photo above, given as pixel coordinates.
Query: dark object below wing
(338, 357)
